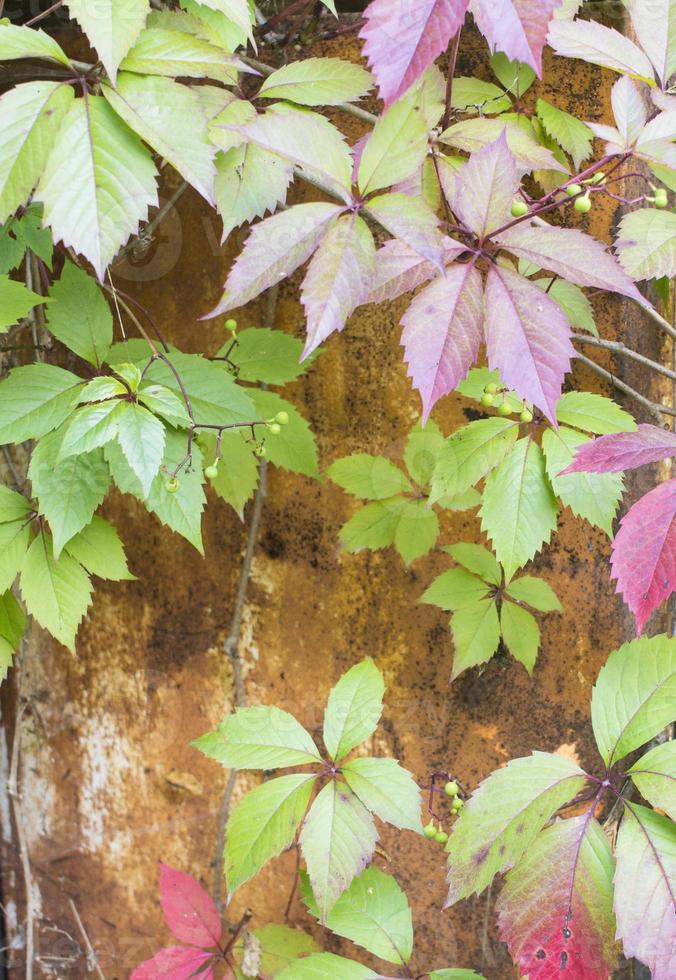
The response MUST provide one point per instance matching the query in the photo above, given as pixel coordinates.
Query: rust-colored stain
(110, 784)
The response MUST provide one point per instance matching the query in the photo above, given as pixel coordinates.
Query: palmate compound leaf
(555, 909)
(655, 26)
(504, 816)
(274, 250)
(654, 775)
(645, 905)
(486, 187)
(516, 27)
(647, 243)
(527, 338)
(263, 824)
(317, 81)
(259, 738)
(386, 789)
(98, 184)
(56, 592)
(174, 963)
(188, 909)
(443, 330)
(403, 38)
(354, 708)
(32, 114)
(644, 552)
(519, 507)
(373, 913)
(635, 696)
(369, 477)
(470, 453)
(337, 841)
(112, 26)
(34, 399)
(326, 966)
(599, 45)
(79, 315)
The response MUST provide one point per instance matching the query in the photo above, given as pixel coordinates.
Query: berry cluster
(434, 832)
(488, 399)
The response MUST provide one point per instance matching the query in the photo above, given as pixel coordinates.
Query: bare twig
(92, 958)
(156, 221)
(619, 348)
(449, 81)
(654, 408)
(44, 14)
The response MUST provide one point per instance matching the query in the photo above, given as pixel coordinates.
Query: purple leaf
(527, 339)
(338, 278)
(403, 38)
(274, 249)
(173, 963)
(443, 332)
(572, 254)
(517, 27)
(486, 186)
(411, 221)
(399, 269)
(624, 451)
(644, 552)
(189, 910)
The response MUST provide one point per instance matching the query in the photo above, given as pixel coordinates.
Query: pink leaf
(555, 910)
(399, 269)
(486, 186)
(173, 963)
(410, 220)
(338, 278)
(517, 27)
(527, 338)
(629, 110)
(189, 910)
(443, 332)
(572, 254)
(624, 451)
(403, 38)
(644, 552)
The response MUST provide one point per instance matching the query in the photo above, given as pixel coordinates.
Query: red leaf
(527, 338)
(517, 27)
(644, 552)
(403, 38)
(173, 963)
(443, 332)
(624, 451)
(190, 913)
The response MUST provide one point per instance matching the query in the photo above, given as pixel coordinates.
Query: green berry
(231, 325)
(661, 198)
(441, 837)
(457, 804)
(275, 428)
(583, 204)
(487, 399)
(451, 788)
(211, 472)
(505, 409)
(526, 416)
(430, 831)
(172, 484)
(597, 178)
(282, 418)
(573, 189)
(260, 451)
(491, 388)
(519, 208)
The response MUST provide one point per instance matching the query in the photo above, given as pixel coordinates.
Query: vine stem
(654, 408)
(449, 80)
(156, 221)
(44, 14)
(619, 348)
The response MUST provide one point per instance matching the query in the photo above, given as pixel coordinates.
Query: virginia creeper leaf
(534, 592)
(590, 41)
(173, 963)
(625, 451)
(15, 536)
(373, 526)
(326, 966)
(141, 438)
(417, 530)
(249, 182)
(16, 302)
(572, 301)
(521, 634)
(79, 315)
(56, 592)
(476, 635)
(514, 75)
(237, 471)
(188, 909)
(471, 135)
(478, 560)
(655, 26)
(421, 452)
(271, 356)
(411, 221)
(317, 81)
(395, 149)
(646, 245)
(214, 396)
(170, 52)
(279, 947)
(112, 26)
(517, 27)
(98, 548)
(655, 777)
(569, 132)
(594, 413)
(486, 187)
(386, 790)
(470, 453)
(399, 269)
(455, 589)
(12, 627)
(353, 709)
(259, 738)
(368, 477)
(90, 428)
(472, 95)
(594, 496)
(24, 42)
(295, 447)
(35, 399)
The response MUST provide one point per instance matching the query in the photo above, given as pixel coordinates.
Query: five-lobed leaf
(353, 709)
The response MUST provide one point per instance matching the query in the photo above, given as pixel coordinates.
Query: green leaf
(90, 428)
(238, 12)
(373, 526)
(455, 975)
(466, 500)
(270, 356)
(111, 26)
(11, 248)
(519, 509)
(594, 496)
(471, 134)
(593, 413)
(655, 777)
(16, 302)
(141, 438)
(395, 149)
(12, 628)
(98, 389)
(164, 402)
(15, 537)
(263, 824)
(279, 947)
(455, 589)
(31, 118)
(214, 396)
(34, 400)
(24, 42)
(387, 790)
(68, 490)
(79, 315)
(326, 966)
(373, 913)
(249, 182)
(368, 477)
(317, 81)
(635, 696)
(13, 506)
(476, 635)
(422, 452)
(475, 558)
(353, 709)
(520, 633)
(99, 549)
(647, 243)
(172, 53)
(572, 301)
(259, 738)
(417, 530)
(57, 593)
(568, 131)
(33, 236)
(534, 592)
(470, 453)
(474, 384)
(237, 470)
(504, 816)
(294, 448)
(471, 95)
(98, 183)
(151, 107)
(212, 24)
(516, 77)
(337, 841)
